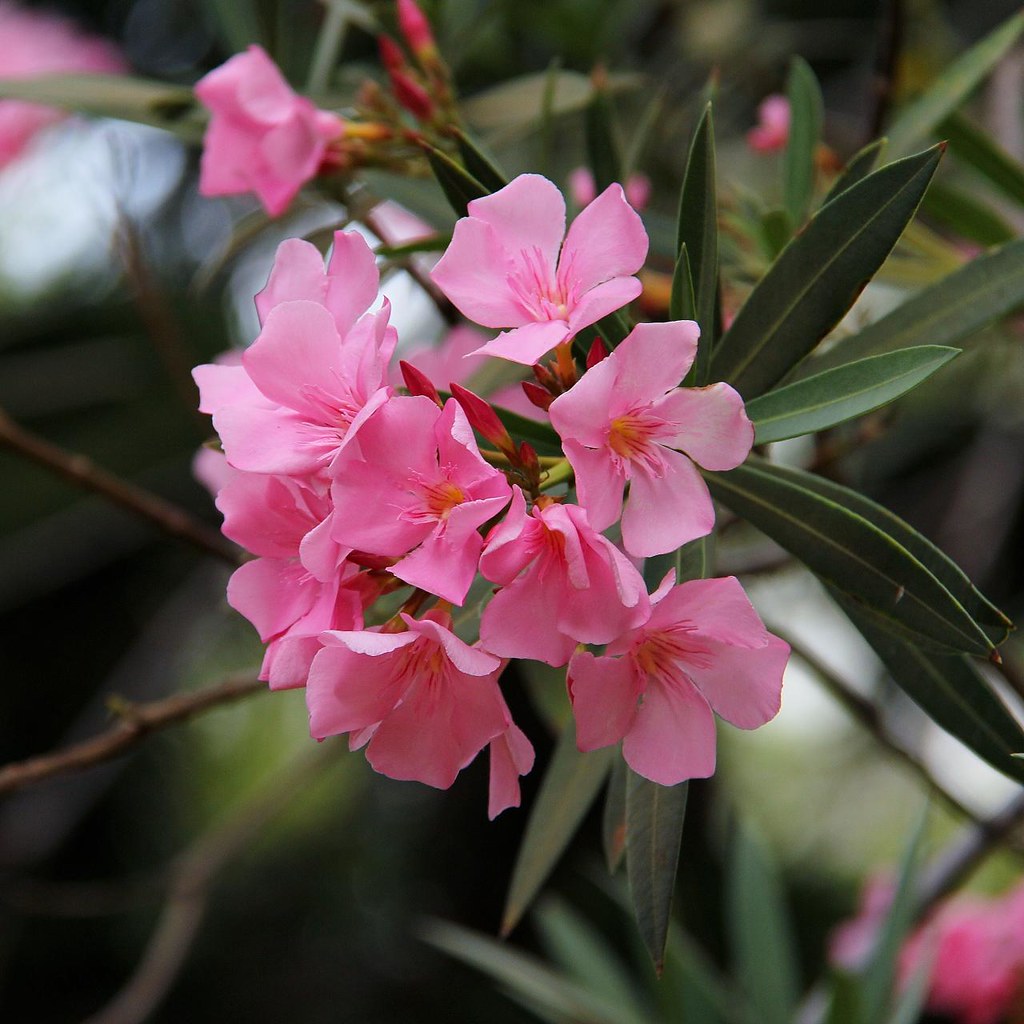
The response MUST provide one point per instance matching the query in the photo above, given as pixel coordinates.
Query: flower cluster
(373, 511)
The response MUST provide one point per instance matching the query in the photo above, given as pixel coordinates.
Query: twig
(867, 714)
(136, 721)
(169, 945)
(83, 472)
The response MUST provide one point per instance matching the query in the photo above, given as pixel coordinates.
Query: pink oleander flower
(317, 370)
(562, 583)
(34, 43)
(508, 266)
(262, 136)
(419, 491)
(704, 650)
(772, 131)
(511, 757)
(426, 702)
(583, 189)
(627, 422)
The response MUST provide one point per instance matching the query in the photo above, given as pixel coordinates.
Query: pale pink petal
(598, 484)
(229, 150)
(474, 273)
(320, 553)
(352, 279)
(271, 593)
(265, 439)
(520, 621)
(716, 608)
(211, 469)
(511, 756)
(601, 300)
(224, 384)
(743, 686)
(526, 344)
(606, 240)
(472, 661)
(287, 661)
(249, 85)
(442, 567)
(673, 735)
(368, 641)
(605, 695)
(527, 214)
(585, 410)
(653, 359)
(507, 551)
(638, 190)
(664, 512)
(262, 514)
(298, 273)
(711, 425)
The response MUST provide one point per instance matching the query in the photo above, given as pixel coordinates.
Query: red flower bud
(418, 383)
(415, 28)
(539, 396)
(484, 419)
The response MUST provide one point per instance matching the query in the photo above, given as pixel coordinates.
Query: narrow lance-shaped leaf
(916, 121)
(654, 829)
(613, 821)
(602, 146)
(459, 186)
(981, 151)
(760, 931)
(943, 314)
(859, 166)
(478, 163)
(806, 116)
(697, 229)
(837, 395)
(966, 214)
(682, 304)
(819, 275)
(848, 550)
(950, 690)
(570, 786)
(776, 231)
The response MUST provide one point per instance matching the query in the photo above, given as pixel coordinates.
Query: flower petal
(711, 425)
(653, 359)
(598, 483)
(744, 686)
(526, 344)
(601, 300)
(511, 756)
(604, 694)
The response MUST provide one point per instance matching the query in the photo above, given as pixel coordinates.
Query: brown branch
(169, 945)
(136, 722)
(865, 713)
(81, 471)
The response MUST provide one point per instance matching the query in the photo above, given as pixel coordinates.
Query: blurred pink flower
(34, 43)
(512, 264)
(262, 137)
(583, 189)
(703, 650)
(772, 130)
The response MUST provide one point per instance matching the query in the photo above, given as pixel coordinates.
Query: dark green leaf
(693, 990)
(612, 328)
(858, 167)
(966, 214)
(776, 231)
(943, 314)
(822, 401)
(542, 436)
(917, 120)
(806, 116)
(613, 822)
(570, 786)
(698, 230)
(654, 829)
(682, 304)
(977, 148)
(951, 691)
(819, 275)
(435, 243)
(602, 147)
(458, 185)
(760, 933)
(845, 999)
(821, 523)
(478, 163)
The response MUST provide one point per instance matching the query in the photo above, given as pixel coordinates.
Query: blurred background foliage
(291, 882)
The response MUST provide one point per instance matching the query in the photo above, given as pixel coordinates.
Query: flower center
(667, 652)
(440, 498)
(630, 436)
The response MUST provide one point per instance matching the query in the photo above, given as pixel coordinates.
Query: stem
(560, 472)
(83, 472)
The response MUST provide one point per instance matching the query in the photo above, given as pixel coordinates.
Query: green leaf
(435, 243)
(819, 275)
(570, 786)
(760, 933)
(952, 87)
(914, 994)
(834, 396)
(697, 229)
(613, 821)
(478, 163)
(693, 990)
(528, 980)
(820, 523)
(682, 304)
(859, 166)
(602, 147)
(966, 214)
(806, 117)
(170, 107)
(612, 328)
(978, 149)
(845, 999)
(237, 22)
(951, 691)
(654, 829)
(776, 231)
(943, 314)
(458, 185)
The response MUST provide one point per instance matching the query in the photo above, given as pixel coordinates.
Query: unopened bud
(409, 93)
(598, 351)
(418, 383)
(415, 29)
(540, 397)
(484, 420)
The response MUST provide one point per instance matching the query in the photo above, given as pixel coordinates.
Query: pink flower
(507, 265)
(772, 130)
(419, 491)
(562, 583)
(623, 422)
(702, 650)
(262, 136)
(511, 757)
(583, 189)
(314, 374)
(34, 43)
(427, 702)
